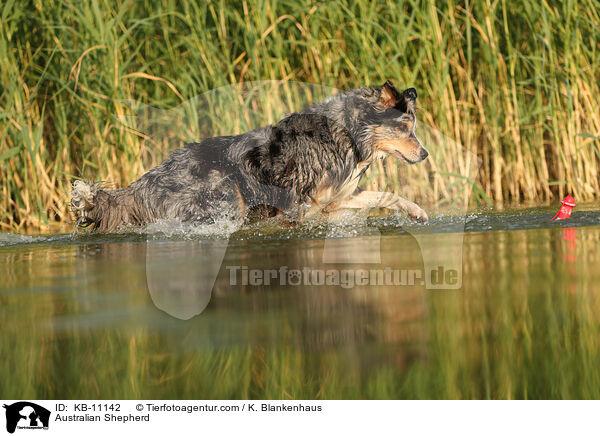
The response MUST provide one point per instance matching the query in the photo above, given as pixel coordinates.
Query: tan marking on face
(402, 145)
(410, 125)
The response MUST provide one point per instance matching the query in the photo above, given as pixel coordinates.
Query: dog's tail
(105, 210)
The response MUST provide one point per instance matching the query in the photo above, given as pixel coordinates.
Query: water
(114, 316)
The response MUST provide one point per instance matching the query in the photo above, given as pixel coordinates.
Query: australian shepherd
(309, 163)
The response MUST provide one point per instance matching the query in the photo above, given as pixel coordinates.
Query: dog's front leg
(373, 199)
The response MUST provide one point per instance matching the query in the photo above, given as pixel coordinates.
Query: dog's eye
(403, 127)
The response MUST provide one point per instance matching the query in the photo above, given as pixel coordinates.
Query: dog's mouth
(401, 156)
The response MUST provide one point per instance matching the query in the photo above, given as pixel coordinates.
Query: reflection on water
(88, 317)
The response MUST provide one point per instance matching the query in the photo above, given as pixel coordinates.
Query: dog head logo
(26, 415)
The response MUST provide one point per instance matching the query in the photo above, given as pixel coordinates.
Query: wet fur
(310, 160)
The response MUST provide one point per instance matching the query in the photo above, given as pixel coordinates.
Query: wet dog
(309, 163)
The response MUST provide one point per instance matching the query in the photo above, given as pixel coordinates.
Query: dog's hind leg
(373, 199)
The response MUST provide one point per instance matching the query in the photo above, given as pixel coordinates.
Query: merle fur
(259, 173)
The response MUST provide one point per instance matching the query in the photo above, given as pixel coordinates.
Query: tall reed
(508, 90)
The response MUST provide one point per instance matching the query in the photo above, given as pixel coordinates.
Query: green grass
(515, 83)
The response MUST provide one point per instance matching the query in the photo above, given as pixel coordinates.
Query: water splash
(7, 239)
(346, 225)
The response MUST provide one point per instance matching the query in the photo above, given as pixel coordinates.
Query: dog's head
(393, 123)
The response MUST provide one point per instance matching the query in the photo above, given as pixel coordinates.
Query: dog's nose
(424, 154)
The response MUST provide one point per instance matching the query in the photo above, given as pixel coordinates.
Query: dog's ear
(409, 100)
(390, 97)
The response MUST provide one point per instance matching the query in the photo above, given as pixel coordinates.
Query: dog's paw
(418, 215)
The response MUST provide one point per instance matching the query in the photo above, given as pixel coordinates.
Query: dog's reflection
(193, 279)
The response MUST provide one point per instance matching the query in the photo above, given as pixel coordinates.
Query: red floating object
(568, 203)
